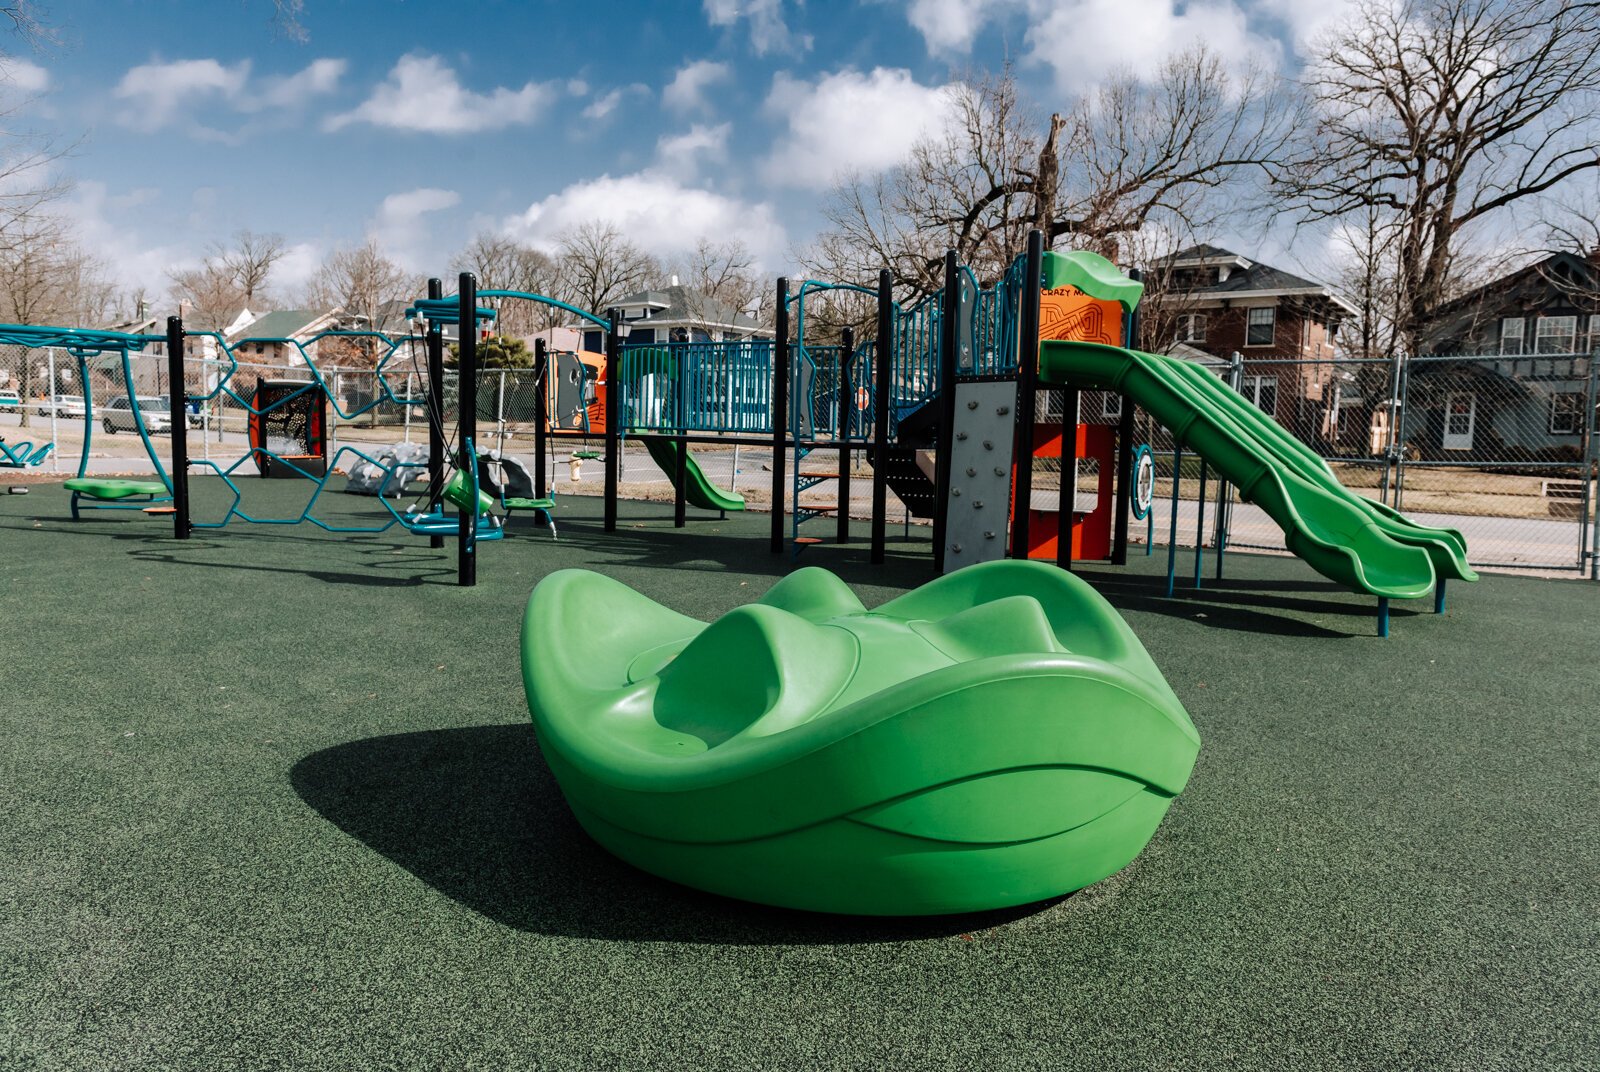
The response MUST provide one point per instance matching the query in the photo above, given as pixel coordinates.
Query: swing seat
(529, 504)
(110, 489)
(23, 455)
(436, 523)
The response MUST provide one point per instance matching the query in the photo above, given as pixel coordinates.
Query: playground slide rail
(1336, 537)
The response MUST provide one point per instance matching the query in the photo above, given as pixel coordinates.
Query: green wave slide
(996, 737)
(698, 491)
(1346, 537)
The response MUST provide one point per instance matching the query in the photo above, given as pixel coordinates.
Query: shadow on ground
(476, 814)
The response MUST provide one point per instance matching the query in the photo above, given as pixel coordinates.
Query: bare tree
(722, 276)
(598, 266)
(47, 278)
(1174, 153)
(1443, 114)
(249, 261)
(371, 290)
(208, 297)
(502, 263)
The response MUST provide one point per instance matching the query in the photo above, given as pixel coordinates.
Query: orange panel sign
(1069, 313)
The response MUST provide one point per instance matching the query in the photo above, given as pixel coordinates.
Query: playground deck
(272, 800)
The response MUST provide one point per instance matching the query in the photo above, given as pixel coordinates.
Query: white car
(10, 402)
(120, 417)
(70, 406)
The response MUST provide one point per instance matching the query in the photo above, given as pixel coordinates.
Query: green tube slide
(699, 492)
(1446, 547)
(1339, 534)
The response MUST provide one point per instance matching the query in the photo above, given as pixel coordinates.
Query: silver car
(70, 406)
(120, 417)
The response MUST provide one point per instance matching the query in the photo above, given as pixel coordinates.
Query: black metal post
(680, 461)
(847, 394)
(434, 345)
(780, 413)
(178, 398)
(541, 435)
(1027, 393)
(1066, 507)
(467, 391)
(613, 417)
(1124, 490)
(949, 339)
(883, 369)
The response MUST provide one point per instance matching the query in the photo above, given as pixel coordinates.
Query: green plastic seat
(996, 737)
(514, 503)
(110, 489)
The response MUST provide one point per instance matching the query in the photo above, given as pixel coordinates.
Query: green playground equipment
(996, 737)
(1344, 536)
(700, 492)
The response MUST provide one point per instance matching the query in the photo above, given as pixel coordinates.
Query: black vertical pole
(1027, 393)
(949, 338)
(434, 344)
(847, 397)
(780, 413)
(613, 417)
(178, 397)
(1066, 507)
(680, 461)
(1124, 492)
(541, 435)
(467, 391)
(883, 369)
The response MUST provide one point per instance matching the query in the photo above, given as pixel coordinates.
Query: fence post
(500, 414)
(1390, 450)
(1402, 403)
(1591, 463)
(405, 415)
(55, 457)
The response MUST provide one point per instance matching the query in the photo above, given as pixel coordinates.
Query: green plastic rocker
(996, 737)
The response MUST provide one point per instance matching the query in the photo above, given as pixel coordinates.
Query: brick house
(1215, 303)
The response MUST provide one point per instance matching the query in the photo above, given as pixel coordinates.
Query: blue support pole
(1172, 537)
(1383, 616)
(1438, 596)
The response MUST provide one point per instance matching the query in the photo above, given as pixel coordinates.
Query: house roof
(1250, 278)
(683, 305)
(284, 324)
(1583, 272)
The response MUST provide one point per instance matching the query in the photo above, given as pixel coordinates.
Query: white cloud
(655, 211)
(1307, 19)
(422, 94)
(22, 76)
(850, 122)
(686, 92)
(296, 267)
(1085, 41)
(318, 78)
(158, 94)
(680, 155)
(769, 32)
(401, 226)
(949, 26)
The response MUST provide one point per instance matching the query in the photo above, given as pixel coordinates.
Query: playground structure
(942, 403)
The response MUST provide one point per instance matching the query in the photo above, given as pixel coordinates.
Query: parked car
(10, 402)
(120, 417)
(195, 420)
(70, 406)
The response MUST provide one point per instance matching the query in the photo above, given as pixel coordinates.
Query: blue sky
(418, 124)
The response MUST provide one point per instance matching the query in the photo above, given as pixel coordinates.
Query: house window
(1263, 391)
(1511, 335)
(642, 336)
(1556, 335)
(1566, 413)
(594, 341)
(1192, 327)
(1260, 326)
(1111, 405)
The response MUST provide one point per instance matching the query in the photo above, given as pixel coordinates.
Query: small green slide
(1345, 537)
(995, 737)
(699, 492)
